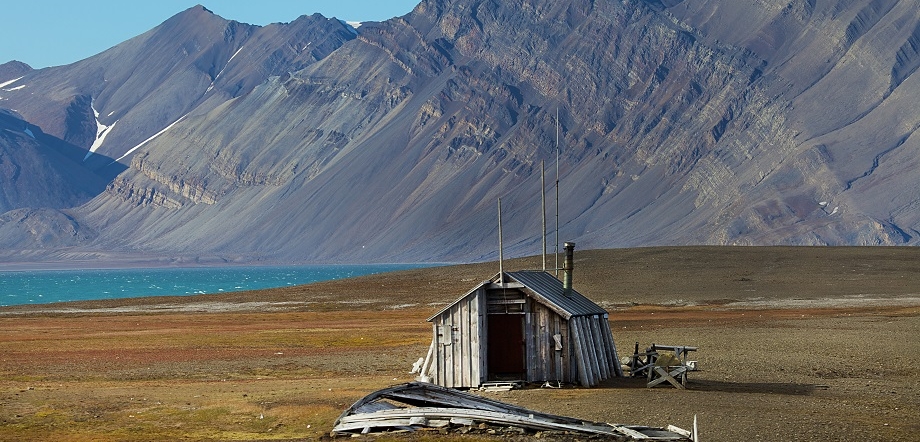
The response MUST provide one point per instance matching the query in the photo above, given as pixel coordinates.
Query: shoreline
(124, 286)
(207, 304)
(711, 277)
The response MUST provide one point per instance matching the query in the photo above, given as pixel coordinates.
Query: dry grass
(197, 376)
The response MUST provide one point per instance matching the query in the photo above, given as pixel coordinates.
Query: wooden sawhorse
(659, 369)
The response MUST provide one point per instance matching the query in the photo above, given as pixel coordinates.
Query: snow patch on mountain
(211, 86)
(7, 83)
(352, 25)
(131, 150)
(231, 59)
(101, 132)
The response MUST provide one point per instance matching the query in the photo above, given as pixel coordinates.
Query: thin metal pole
(556, 249)
(543, 204)
(501, 271)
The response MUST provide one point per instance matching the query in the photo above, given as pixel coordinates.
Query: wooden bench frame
(646, 364)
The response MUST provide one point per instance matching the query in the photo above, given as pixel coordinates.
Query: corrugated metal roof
(548, 289)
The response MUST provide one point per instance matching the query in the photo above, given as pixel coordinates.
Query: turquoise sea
(47, 286)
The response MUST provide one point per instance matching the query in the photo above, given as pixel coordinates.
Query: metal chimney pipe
(567, 267)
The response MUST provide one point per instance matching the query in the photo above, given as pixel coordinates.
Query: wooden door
(506, 347)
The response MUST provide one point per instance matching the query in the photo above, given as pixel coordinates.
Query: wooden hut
(524, 325)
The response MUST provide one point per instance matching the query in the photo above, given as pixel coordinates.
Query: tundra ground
(795, 344)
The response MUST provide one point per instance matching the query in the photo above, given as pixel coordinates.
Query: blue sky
(46, 33)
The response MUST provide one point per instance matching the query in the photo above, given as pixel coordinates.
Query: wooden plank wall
(612, 357)
(544, 362)
(582, 364)
(458, 354)
(479, 340)
(588, 355)
(594, 350)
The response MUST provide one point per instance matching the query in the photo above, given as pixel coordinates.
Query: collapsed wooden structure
(524, 325)
(416, 406)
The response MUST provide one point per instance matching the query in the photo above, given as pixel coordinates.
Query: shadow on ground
(722, 386)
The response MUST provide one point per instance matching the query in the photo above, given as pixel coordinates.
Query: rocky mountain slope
(705, 122)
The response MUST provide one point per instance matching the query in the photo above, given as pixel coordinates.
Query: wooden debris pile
(418, 406)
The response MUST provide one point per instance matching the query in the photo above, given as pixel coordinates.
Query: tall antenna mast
(501, 271)
(543, 204)
(556, 249)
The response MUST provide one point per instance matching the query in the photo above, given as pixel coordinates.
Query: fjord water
(47, 286)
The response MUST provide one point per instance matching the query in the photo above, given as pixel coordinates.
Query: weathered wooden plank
(459, 361)
(506, 301)
(558, 355)
(583, 339)
(544, 346)
(438, 361)
(676, 348)
(361, 425)
(584, 375)
(614, 357)
(375, 406)
(533, 421)
(399, 423)
(611, 350)
(464, 350)
(449, 350)
(529, 354)
(532, 343)
(534, 359)
(592, 350)
(456, 373)
(432, 395)
(425, 370)
(483, 336)
(661, 374)
(415, 393)
(549, 363)
(608, 350)
(600, 349)
(432, 406)
(596, 358)
(680, 431)
(507, 285)
(446, 345)
(438, 367)
(468, 343)
(475, 347)
(565, 357)
(593, 346)
(631, 433)
(570, 361)
(461, 421)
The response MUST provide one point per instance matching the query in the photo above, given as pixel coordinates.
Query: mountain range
(664, 122)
